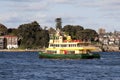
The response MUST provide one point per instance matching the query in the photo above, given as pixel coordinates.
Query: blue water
(27, 66)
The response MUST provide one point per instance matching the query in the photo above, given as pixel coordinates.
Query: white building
(12, 41)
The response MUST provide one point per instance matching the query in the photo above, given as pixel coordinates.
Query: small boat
(66, 48)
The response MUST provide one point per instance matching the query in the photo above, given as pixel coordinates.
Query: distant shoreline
(20, 50)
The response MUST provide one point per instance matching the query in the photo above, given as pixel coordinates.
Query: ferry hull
(69, 56)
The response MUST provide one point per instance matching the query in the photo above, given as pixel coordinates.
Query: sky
(92, 14)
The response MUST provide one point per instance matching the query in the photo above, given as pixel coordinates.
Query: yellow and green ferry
(60, 48)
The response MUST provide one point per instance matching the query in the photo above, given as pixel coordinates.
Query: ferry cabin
(69, 48)
(59, 45)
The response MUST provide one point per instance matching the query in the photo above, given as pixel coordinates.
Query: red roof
(7, 36)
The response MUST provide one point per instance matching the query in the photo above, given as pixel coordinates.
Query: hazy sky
(92, 14)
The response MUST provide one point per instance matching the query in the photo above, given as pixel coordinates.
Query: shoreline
(20, 50)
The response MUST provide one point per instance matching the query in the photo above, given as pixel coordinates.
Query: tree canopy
(3, 30)
(32, 35)
(72, 30)
(78, 32)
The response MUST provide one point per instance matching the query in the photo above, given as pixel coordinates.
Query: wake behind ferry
(61, 46)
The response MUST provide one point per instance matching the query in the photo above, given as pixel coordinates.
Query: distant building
(110, 38)
(101, 31)
(2, 42)
(58, 23)
(11, 41)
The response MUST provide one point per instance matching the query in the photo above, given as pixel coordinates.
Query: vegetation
(78, 32)
(12, 31)
(72, 30)
(31, 35)
(3, 30)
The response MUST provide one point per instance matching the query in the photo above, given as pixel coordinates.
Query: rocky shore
(110, 48)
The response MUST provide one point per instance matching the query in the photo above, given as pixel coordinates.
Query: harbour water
(28, 66)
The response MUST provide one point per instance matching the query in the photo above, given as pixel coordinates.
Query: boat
(61, 46)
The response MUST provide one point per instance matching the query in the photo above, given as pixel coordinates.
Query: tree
(87, 34)
(32, 35)
(72, 30)
(78, 32)
(3, 30)
(12, 31)
(51, 30)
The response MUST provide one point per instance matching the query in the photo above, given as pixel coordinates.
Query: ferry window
(73, 45)
(57, 45)
(71, 52)
(51, 45)
(55, 51)
(78, 45)
(69, 45)
(56, 38)
(63, 45)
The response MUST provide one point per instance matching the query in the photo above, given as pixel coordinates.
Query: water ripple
(27, 66)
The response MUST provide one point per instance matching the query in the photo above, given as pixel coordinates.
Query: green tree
(78, 32)
(3, 30)
(72, 30)
(51, 30)
(12, 31)
(32, 35)
(87, 34)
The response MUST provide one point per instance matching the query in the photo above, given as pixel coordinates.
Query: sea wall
(110, 48)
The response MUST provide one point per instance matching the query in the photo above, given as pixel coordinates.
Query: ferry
(61, 46)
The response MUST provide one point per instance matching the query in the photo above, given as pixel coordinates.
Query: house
(11, 41)
(110, 38)
(2, 42)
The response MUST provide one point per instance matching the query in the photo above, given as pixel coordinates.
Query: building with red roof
(8, 42)
(11, 41)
